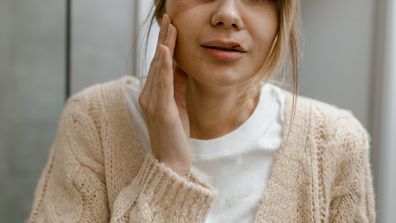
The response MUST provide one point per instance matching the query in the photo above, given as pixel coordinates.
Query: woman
(206, 136)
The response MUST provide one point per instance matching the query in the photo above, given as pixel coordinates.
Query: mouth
(224, 50)
(224, 54)
(226, 45)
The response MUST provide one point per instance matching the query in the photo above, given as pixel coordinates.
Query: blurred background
(51, 49)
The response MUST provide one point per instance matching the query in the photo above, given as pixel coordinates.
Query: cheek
(184, 42)
(185, 33)
(264, 22)
(182, 13)
(264, 32)
(178, 8)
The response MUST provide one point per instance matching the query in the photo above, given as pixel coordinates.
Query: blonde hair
(283, 57)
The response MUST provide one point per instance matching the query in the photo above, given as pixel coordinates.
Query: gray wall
(337, 61)
(390, 121)
(102, 41)
(31, 97)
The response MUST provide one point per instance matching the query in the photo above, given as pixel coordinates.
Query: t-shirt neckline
(240, 137)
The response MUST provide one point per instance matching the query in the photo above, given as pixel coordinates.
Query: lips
(224, 50)
(226, 45)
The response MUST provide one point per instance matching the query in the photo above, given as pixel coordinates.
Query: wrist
(181, 170)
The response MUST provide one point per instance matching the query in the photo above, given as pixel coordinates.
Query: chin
(219, 76)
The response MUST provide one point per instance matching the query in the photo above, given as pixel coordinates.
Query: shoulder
(93, 107)
(108, 88)
(92, 111)
(94, 96)
(337, 124)
(330, 126)
(339, 140)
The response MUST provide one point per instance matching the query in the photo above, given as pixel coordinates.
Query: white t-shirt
(237, 164)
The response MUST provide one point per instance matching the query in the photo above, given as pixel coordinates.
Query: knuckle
(165, 117)
(164, 85)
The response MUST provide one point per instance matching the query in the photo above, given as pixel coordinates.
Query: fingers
(167, 36)
(162, 34)
(159, 83)
(170, 40)
(166, 76)
(154, 65)
(167, 59)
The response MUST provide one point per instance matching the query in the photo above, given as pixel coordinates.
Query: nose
(226, 14)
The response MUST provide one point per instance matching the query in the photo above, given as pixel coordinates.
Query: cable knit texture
(98, 171)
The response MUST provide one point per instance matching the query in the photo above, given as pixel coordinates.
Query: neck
(212, 111)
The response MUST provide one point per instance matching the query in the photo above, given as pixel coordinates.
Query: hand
(163, 104)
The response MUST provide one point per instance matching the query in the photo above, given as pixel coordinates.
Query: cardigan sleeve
(355, 202)
(157, 194)
(72, 186)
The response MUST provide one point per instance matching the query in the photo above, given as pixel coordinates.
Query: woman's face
(252, 24)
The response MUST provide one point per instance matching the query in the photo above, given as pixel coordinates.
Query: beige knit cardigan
(98, 171)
